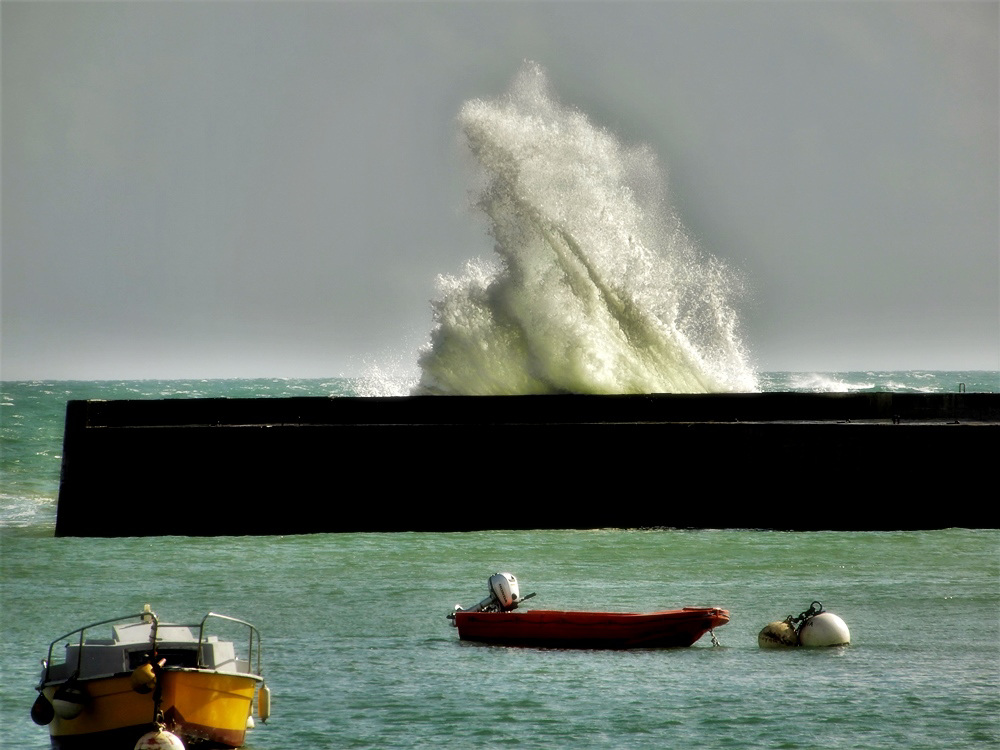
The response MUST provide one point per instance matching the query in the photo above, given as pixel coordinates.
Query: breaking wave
(596, 287)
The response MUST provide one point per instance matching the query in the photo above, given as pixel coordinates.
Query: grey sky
(270, 189)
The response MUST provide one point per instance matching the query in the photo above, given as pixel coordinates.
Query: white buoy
(159, 739)
(814, 627)
(825, 629)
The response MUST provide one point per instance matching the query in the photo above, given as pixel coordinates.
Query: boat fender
(264, 703)
(159, 739)
(42, 712)
(824, 629)
(70, 700)
(778, 634)
(143, 678)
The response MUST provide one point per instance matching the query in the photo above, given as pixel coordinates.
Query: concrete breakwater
(796, 461)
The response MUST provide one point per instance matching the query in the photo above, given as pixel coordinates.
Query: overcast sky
(235, 189)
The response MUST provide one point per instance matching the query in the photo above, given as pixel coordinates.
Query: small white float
(159, 739)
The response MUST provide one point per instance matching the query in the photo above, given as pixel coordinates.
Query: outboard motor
(504, 596)
(504, 590)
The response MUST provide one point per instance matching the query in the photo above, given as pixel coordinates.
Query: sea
(358, 651)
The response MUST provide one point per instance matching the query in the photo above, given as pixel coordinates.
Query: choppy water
(359, 653)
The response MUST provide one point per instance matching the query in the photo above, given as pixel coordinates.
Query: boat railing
(145, 615)
(78, 637)
(254, 634)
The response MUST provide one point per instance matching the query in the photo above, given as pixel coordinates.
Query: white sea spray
(596, 288)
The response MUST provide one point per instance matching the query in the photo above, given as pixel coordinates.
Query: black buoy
(42, 712)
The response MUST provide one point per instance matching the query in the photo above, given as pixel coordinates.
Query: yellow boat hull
(208, 707)
(201, 707)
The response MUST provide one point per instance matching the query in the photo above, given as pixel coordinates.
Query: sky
(270, 189)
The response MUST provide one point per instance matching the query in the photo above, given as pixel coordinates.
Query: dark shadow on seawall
(797, 461)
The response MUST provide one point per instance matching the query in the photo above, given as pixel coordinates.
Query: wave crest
(597, 288)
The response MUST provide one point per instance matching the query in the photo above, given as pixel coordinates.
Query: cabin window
(176, 657)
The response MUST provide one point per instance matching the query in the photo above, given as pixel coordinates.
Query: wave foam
(596, 287)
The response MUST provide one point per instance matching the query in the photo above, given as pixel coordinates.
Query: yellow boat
(151, 676)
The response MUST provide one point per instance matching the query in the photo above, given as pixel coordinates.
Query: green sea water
(358, 651)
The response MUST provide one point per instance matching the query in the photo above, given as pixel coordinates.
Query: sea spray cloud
(596, 287)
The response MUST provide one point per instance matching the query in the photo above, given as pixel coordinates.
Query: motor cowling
(504, 590)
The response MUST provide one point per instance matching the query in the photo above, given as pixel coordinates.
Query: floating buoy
(824, 629)
(778, 634)
(42, 712)
(814, 627)
(143, 678)
(70, 700)
(159, 739)
(264, 703)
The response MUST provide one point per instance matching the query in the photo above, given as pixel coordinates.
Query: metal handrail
(79, 655)
(148, 616)
(253, 632)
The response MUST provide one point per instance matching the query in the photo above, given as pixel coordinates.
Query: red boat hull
(557, 629)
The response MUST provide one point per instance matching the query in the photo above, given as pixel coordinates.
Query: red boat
(553, 628)
(494, 620)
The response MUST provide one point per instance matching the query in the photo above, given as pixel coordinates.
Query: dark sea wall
(303, 465)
